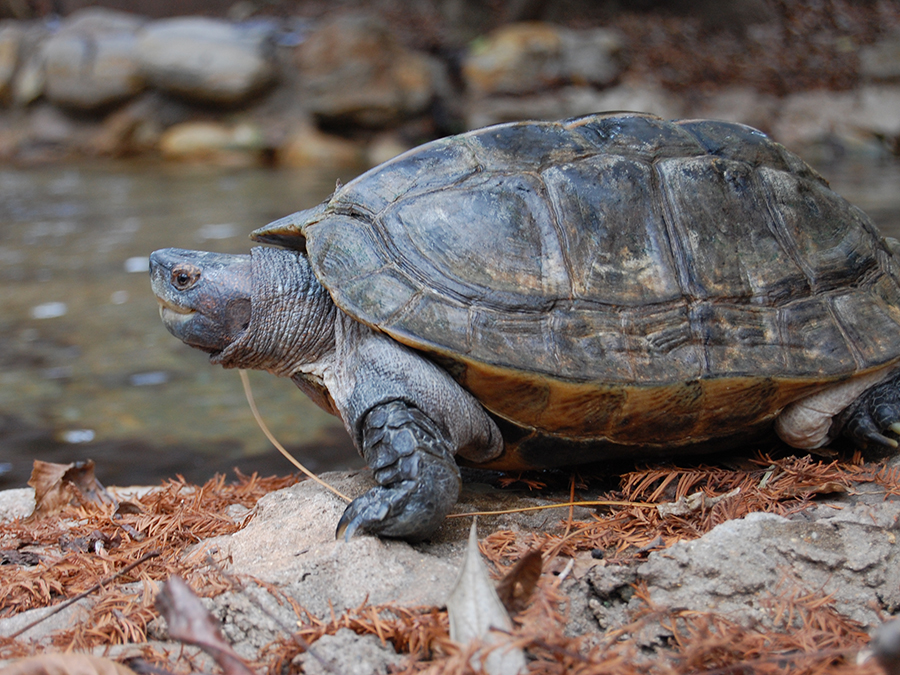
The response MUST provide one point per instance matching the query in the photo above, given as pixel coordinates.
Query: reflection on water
(86, 367)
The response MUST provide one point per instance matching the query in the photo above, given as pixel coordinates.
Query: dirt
(791, 555)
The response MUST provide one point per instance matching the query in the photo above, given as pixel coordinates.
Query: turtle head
(204, 298)
(264, 311)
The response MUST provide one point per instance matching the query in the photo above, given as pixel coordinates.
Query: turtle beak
(173, 314)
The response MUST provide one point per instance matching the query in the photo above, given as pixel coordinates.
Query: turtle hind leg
(418, 480)
(874, 415)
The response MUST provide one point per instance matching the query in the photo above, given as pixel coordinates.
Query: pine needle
(248, 392)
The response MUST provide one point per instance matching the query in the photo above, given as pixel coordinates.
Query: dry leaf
(474, 609)
(190, 622)
(65, 664)
(59, 485)
(517, 586)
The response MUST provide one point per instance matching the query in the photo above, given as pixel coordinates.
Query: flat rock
(91, 62)
(290, 542)
(354, 71)
(214, 142)
(350, 654)
(56, 621)
(742, 567)
(11, 37)
(851, 118)
(207, 59)
(523, 58)
(881, 61)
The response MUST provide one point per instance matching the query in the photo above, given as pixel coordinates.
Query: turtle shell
(612, 276)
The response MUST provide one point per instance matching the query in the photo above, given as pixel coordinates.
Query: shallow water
(88, 370)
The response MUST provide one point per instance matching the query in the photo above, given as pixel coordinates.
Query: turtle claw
(385, 511)
(418, 479)
(876, 413)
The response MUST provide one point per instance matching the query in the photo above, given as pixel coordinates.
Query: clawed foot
(876, 414)
(418, 479)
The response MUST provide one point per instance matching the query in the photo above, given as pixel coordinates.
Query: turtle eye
(184, 277)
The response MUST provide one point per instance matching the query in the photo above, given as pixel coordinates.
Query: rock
(11, 36)
(306, 146)
(91, 62)
(16, 503)
(133, 129)
(207, 59)
(743, 105)
(592, 56)
(350, 654)
(28, 80)
(881, 61)
(213, 142)
(356, 72)
(570, 102)
(384, 147)
(288, 543)
(516, 59)
(878, 111)
(320, 572)
(852, 121)
(49, 126)
(741, 567)
(56, 621)
(523, 58)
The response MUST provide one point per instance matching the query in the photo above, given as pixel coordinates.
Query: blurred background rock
(309, 82)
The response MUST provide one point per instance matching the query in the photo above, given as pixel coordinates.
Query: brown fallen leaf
(59, 485)
(190, 622)
(476, 615)
(517, 586)
(65, 664)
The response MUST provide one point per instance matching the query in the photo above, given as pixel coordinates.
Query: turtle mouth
(173, 314)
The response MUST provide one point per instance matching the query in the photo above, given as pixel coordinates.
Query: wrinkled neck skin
(291, 318)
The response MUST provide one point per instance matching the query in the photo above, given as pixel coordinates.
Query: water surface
(87, 368)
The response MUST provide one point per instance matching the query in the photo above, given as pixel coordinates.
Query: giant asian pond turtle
(547, 293)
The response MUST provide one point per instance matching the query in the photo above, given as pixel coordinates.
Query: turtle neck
(291, 316)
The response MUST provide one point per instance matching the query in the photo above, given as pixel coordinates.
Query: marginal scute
(814, 344)
(866, 321)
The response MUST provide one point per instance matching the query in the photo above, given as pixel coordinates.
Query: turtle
(539, 294)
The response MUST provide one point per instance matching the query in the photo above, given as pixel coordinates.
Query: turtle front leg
(418, 480)
(873, 415)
